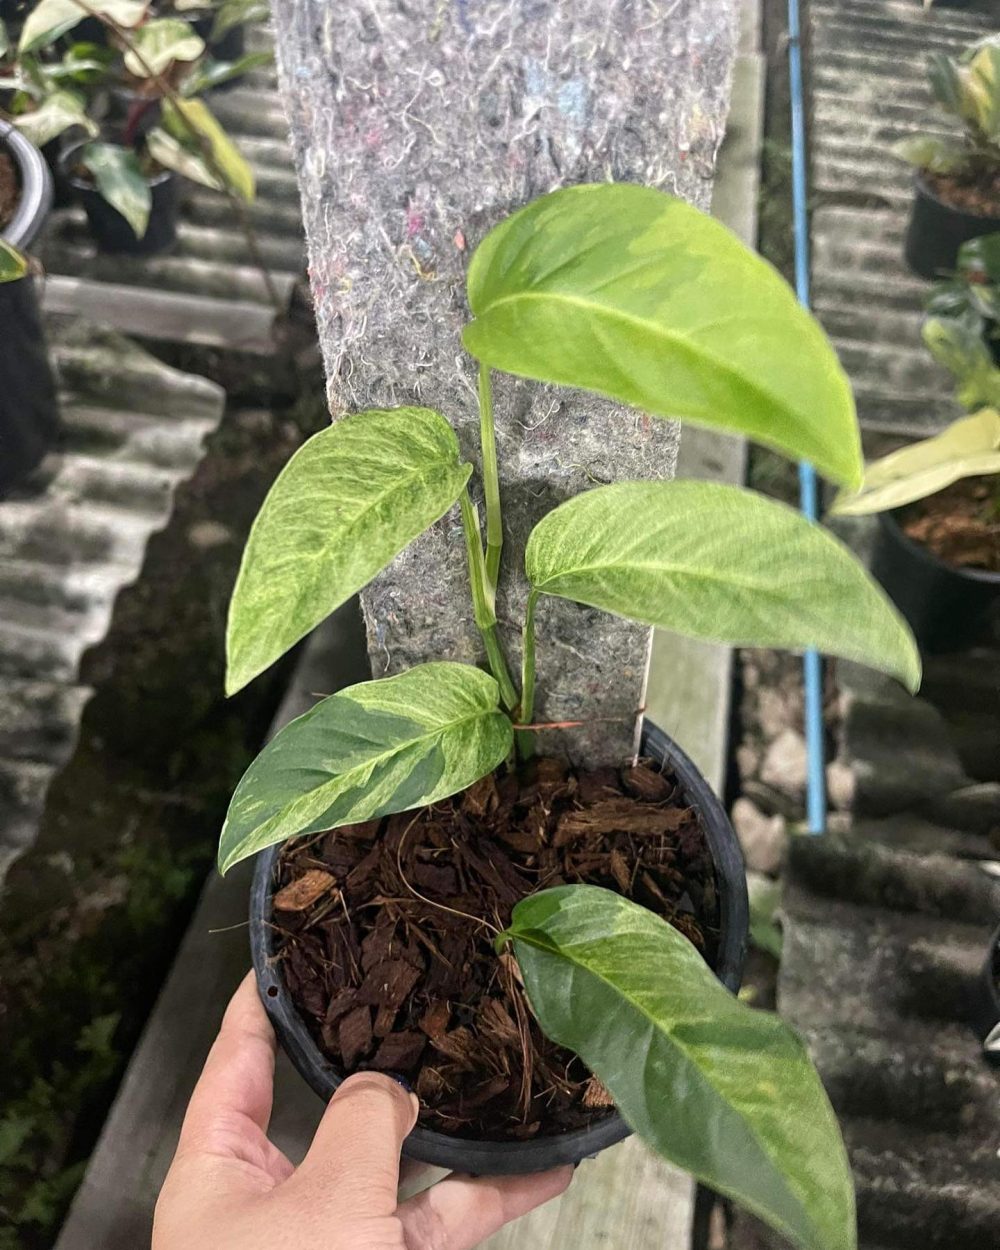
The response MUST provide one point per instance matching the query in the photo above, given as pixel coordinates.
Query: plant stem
(491, 477)
(483, 603)
(525, 742)
(168, 92)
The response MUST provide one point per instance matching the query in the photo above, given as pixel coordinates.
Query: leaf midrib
(669, 1037)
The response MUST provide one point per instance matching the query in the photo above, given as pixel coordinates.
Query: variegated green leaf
(192, 124)
(723, 1091)
(56, 114)
(51, 18)
(719, 563)
(633, 293)
(158, 44)
(346, 504)
(967, 448)
(375, 748)
(119, 178)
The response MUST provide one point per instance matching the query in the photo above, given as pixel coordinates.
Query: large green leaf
(378, 747)
(158, 44)
(967, 448)
(721, 1090)
(720, 563)
(346, 503)
(192, 124)
(983, 91)
(51, 18)
(208, 73)
(232, 13)
(632, 293)
(56, 114)
(119, 178)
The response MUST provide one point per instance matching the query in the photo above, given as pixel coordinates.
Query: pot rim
(922, 188)
(36, 188)
(478, 1155)
(890, 523)
(986, 1003)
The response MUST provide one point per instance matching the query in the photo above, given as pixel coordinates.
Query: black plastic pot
(229, 47)
(29, 414)
(937, 230)
(985, 1003)
(945, 605)
(540, 1153)
(110, 231)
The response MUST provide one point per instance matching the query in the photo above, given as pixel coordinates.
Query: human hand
(229, 1188)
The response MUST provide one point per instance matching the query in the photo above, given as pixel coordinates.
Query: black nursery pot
(985, 1003)
(937, 230)
(945, 605)
(229, 47)
(112, 233)
(29, 414)
(540, 1153)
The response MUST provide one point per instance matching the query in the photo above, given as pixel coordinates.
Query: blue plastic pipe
(808, 488)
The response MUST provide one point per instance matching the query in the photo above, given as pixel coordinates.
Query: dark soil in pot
(939, 560)
(947, 211)
(370, 954)
(10, 189)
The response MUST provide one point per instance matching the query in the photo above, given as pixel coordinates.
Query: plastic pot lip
(540, 1153)
(36, 188)
(890, 524)
(924, 191)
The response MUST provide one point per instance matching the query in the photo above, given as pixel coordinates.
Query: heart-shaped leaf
(967, 448)
(375, 748)
(632, 293)
(119, 178)
(347, 502)
(719, 563)
(158, 44)
(721, 1090)
(51, 18)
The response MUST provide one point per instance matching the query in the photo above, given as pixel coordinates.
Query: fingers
(235, 1088)
(461, 1212)
(355, 1152)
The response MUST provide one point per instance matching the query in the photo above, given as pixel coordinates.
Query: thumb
(356, 1147)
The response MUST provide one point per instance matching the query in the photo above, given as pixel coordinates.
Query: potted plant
(937, 549)
(29, 416)
(957, 187)
(972, 295)
(124, 173)
(529, 943)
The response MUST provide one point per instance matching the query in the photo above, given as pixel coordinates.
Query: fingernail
(401, 1080)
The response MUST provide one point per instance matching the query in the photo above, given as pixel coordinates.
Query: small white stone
(207, 534)
(763, 838)
(840, 785)
(785, 764)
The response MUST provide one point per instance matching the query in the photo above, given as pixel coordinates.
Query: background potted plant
(222, 24)
(155, 127)
(29, 416)
(957, 188)
(937, 549)
(972, 296)
(614, 288)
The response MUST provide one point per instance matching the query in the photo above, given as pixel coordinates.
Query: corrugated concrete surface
(74, 536)
(868, 88)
